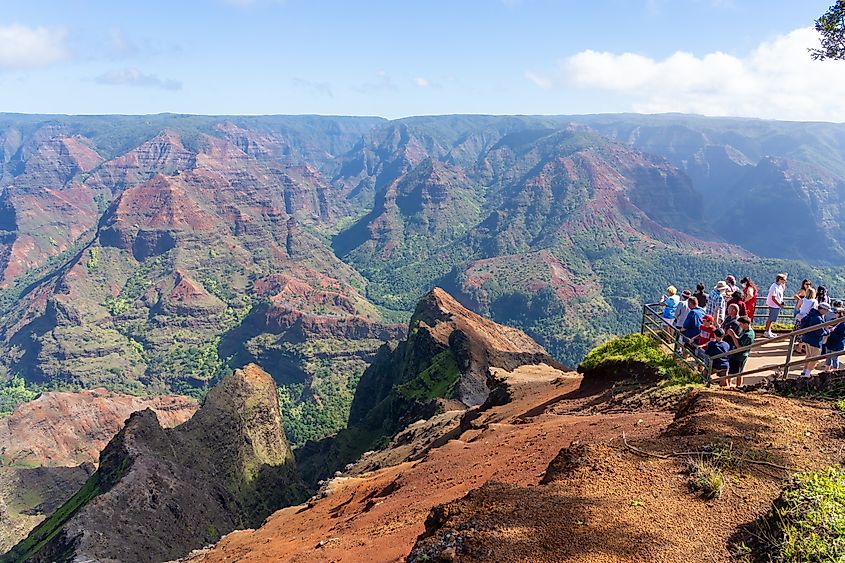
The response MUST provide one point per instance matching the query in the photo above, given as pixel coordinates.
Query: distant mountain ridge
(156, 253)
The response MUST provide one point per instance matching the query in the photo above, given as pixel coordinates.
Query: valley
(399, 306)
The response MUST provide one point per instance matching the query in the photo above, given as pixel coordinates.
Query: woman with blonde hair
(669, 301)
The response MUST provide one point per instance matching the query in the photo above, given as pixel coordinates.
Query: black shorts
(737, 364)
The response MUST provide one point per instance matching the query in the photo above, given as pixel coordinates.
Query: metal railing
(670, 337)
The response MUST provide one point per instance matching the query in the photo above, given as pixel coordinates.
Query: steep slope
(48, 449)
(44, 208)
(730, 160)
(548, 477)
(160, 492)
(807, 197)
(444, 364)
(529, 230)
(193, 239)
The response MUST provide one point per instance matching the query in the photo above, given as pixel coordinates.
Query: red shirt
(705, 334)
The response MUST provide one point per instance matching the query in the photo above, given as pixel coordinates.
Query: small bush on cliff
(633, 349)
(13, 393)
(805, 523)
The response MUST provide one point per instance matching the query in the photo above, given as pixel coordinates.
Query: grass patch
(839, 405)
(437, 380)
(641, 349)
(805, 523)
(706, 477)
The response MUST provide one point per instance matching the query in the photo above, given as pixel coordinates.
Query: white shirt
(807, 305)
(776, 292)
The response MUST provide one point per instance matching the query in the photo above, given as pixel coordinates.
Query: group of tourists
(714, 323)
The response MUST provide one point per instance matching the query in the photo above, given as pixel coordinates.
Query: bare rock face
(159, 493)
(67, 429)
(443, 365)
(48, 448)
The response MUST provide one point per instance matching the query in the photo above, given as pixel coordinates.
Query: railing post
(642, 325)
(788, 357)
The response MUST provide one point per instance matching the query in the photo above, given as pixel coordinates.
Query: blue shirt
(836, 339)
(814, 338)
(669, 304)
(692, 326)
(714, 348)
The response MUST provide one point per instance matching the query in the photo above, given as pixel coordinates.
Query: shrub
(642, 349)
(806, 522)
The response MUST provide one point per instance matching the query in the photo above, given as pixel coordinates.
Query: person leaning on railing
(835, 341)
(813, 340)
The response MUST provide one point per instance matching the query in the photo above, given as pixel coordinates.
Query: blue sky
(399, 58)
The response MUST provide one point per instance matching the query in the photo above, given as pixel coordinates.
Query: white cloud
(31, 47)
(777, 79)
(134, 77)
(422, 82)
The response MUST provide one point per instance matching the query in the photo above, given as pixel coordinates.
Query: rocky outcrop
(49, 447)
(158, 493)
(445, 364)
(163, 154)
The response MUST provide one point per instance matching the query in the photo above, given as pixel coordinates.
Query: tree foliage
(831, 28)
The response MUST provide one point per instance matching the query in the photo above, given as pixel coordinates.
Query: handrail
(649, 309)
(786, 336)
(653, 317)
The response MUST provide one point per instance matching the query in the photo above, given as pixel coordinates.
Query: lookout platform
(769, 358)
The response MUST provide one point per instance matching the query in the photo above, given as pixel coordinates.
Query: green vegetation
(436, 380)
(93, 258)
(706, 477)
(831, 29)
(641, 349)
(101, 481)
(13, 393)
(806, 522)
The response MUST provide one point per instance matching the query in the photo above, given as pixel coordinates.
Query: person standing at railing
(700, 295)
(749, 295)
(715, 347)
(682, 310)
(669, 301)
(836, 339)
(821, 295)
(774, 300)
(740, 339)
(736, 299)
(716, 302)
(813, 340)
(692, 324)
(799, 300)
(731, 316)
(807, 304)
(730, 281)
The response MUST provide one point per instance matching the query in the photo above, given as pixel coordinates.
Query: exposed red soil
(67, 429)
(547, 477)
(378, 516)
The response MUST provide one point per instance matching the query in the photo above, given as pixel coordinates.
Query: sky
(396, 58)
